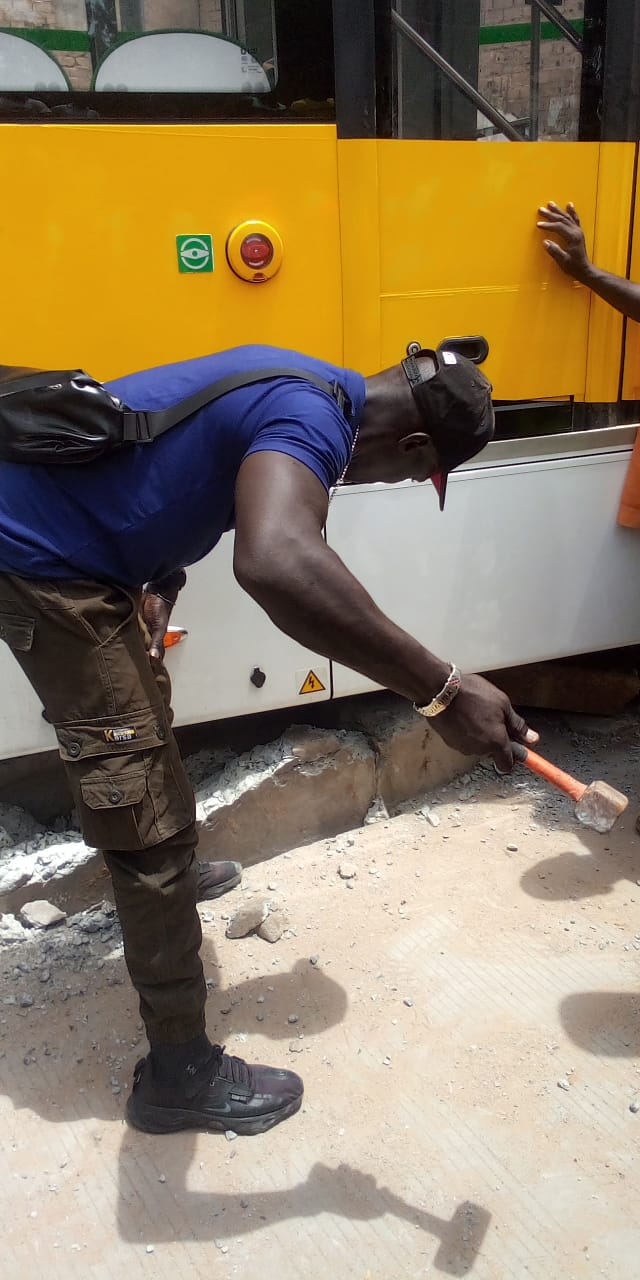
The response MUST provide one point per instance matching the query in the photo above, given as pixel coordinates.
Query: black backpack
(63, 418)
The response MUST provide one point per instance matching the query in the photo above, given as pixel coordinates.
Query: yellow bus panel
(88, 241)
(439, 239)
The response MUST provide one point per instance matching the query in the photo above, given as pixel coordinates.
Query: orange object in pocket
(173, 636)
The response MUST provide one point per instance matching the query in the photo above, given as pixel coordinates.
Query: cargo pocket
(17, 632)
(127, 779)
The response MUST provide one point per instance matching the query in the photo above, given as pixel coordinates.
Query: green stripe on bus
(520, 32)
(78, 41)
(49, 38)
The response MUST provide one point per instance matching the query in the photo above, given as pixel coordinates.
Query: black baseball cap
(455, 404)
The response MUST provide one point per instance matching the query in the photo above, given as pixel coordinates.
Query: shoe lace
(235, 1070)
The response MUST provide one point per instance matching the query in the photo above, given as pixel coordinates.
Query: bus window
(464, 69)
(166, 59)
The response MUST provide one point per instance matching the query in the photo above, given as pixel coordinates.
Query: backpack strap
(141, 427)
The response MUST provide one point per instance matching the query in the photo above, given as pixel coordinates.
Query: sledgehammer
(597, 804)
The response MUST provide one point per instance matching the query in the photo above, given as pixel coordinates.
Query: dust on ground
(458, 986)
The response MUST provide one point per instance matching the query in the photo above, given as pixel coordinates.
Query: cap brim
(439, 482)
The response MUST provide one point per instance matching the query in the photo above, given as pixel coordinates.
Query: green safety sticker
(195, 253)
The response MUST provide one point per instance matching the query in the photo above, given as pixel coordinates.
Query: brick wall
(504, 71)
(71, 15)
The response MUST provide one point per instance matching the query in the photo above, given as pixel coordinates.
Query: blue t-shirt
(142, 511)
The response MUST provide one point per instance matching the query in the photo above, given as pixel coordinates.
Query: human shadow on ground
(57, 1056)
(147, 1213)
(58, 1061)
(606, 1023)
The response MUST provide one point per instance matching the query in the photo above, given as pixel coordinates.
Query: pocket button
(74, 748)
(115, 796)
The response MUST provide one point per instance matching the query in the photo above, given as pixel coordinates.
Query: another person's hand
(481, 721)
(571, 255)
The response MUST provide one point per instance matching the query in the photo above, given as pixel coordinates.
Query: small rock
(377, 812)
(26, 1002)
(314, 960)
(347, 870)
(41, 914)
(296, 1046)
(512, 848)
(150, 1248)
(162, 1177)
(564, 1084)
(635, 1106)
(248, 918)
(230, 1135)
(293, 1017)
(273, 927)
(408, 1002)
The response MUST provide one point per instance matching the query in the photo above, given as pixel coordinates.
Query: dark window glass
(165, 59)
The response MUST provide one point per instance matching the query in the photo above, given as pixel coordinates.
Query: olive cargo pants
(82, 648)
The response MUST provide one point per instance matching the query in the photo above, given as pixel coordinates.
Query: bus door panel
(449, 246)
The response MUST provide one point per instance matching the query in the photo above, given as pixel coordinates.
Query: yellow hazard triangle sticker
(312, 684)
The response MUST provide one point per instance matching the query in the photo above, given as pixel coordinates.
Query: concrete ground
(464, 1010)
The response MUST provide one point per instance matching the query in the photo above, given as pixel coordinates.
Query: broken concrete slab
(309, 783)
(42, 914)
(410, 756)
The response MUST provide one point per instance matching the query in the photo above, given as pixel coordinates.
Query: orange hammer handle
(549, 771)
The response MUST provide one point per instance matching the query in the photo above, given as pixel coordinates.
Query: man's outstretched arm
(282, 560)
(572, 258)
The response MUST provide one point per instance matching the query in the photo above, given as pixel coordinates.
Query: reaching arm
(282, 560)
(572, 258)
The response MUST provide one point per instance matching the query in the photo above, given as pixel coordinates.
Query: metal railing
(497, 117)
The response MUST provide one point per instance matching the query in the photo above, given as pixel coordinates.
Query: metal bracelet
(442, 700)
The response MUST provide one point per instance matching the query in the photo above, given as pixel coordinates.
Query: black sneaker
(216, 878)
(224, 1093)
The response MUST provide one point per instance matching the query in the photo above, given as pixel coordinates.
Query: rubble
(41, 914)
(347, 870)
(247, 919)
(273, 927)
(376, 812)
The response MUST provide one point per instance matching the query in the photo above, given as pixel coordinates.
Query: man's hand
(156, 612)
(481, 721)
(571, 255)
(158, 600)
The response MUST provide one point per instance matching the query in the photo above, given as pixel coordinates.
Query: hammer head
(600, 806)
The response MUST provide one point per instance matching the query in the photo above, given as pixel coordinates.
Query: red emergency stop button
(254, 251)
